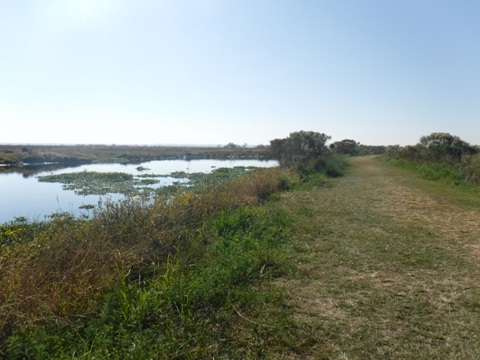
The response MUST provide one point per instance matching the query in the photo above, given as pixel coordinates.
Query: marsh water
(22, 195)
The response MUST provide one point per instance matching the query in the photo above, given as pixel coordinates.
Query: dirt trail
(387, 268)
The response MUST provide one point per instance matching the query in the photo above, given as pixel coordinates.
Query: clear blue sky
(243, 71)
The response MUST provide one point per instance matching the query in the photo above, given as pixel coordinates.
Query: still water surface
(22, 195)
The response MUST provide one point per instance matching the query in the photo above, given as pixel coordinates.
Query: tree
(232, 146)
(303, 150)
(346, 146)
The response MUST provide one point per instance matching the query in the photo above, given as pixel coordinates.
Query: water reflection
(28, 171)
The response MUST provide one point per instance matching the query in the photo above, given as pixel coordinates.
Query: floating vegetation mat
(93, 183)
(102, 183)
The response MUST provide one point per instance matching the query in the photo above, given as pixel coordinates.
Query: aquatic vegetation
(222, 174)
(89, 182)
(147, 176)
(142, 168)
(100, 183)
(87, 207)
(146, 182)
(178, 174)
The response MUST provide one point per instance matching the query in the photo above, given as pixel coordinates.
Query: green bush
(306, 153)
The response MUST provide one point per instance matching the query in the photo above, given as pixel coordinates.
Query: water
(22, 195)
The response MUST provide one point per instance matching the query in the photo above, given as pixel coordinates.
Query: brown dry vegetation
(388, 266)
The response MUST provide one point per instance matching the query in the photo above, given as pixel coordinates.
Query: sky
(243, 71)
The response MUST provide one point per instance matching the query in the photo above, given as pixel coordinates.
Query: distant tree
(371, 149)
(232, 146)
(346, 146)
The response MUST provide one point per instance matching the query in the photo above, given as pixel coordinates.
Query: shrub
(306, 153)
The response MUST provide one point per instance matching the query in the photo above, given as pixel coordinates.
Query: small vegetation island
(327, 256)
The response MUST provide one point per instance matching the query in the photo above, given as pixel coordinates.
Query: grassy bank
(188, 276)
(183, 278)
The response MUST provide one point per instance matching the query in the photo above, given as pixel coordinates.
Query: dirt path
(385, 269)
